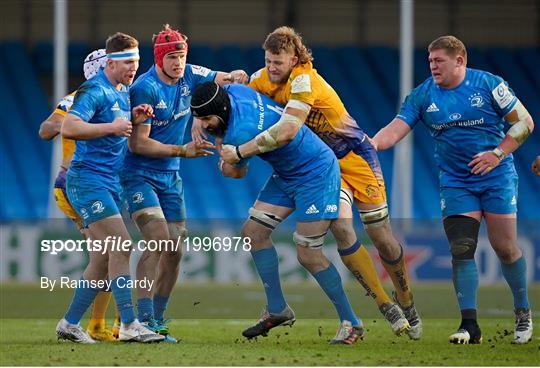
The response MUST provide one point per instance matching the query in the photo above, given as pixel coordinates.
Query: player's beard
(279, 79)
(219, 130)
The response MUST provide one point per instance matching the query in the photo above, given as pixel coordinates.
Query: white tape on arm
(520, 129)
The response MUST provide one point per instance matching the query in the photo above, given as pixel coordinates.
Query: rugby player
(152, 185)
(291, 79)
(48, 130)
(465, 110)
(305, 179)
(99, 121)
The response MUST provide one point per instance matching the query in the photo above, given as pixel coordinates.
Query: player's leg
(94, 204)
(461, 219)
(141, 196)
(167, 276)
(69, 328)
(309, 239)
(113, 228)
(353, 254)
(171, 197)
(316, 202)
(263, 219)
(362, 174)
(357, 259)
(499, 205)
(153, 227)
(96, 326)
(170, 193)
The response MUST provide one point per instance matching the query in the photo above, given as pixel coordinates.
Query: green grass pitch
(209, 318)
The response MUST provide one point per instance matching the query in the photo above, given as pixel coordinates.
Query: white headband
(124, 55)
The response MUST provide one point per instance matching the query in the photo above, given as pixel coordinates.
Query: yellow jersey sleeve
(68, 145)
(65, 104)
(303, 84)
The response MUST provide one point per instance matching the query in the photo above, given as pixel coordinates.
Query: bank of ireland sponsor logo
(454, 116)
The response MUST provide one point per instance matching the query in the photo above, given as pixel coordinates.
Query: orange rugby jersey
(68, 145)
(328, 117)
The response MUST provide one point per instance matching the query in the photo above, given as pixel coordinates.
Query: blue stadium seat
(384, 61)
(376, 108)
(255, 59)
(146, 52)
(232, 58)
(77, 52)
(204, 56)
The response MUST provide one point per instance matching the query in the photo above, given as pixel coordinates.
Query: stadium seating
(366, 79)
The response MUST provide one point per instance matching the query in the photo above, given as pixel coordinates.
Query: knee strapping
(345, 197)
(313, 242)
(147, 215)
(462, 234)
(375, 218)
(264, 218)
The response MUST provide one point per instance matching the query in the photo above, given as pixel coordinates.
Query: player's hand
(236, 76)
(197, 131)
(536, 166)
(142, 112)
(121, 127)
(484, 162)
(372, 142)
(194, 149)
(231, 171)
(228, 154)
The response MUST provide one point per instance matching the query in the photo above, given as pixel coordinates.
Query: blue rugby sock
(145, 307)
(82, 298)
(515, 275)
(330, 282)
(122, 296)
(160, 304)
(465, 278)
(266, 261)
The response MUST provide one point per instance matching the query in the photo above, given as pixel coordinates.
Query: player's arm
(276, 136)
(74, 127)
(141, 143)
(521, 127)
(235, 76)
(51, 127)
(391, 134)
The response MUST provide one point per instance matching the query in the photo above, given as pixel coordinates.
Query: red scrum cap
(167, 41)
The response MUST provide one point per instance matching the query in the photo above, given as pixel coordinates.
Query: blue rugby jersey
(303, 159)
(171, 110)
(97, 101)
(464, 121)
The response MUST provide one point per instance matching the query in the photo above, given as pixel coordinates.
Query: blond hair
(287, 39)
(452, 45)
